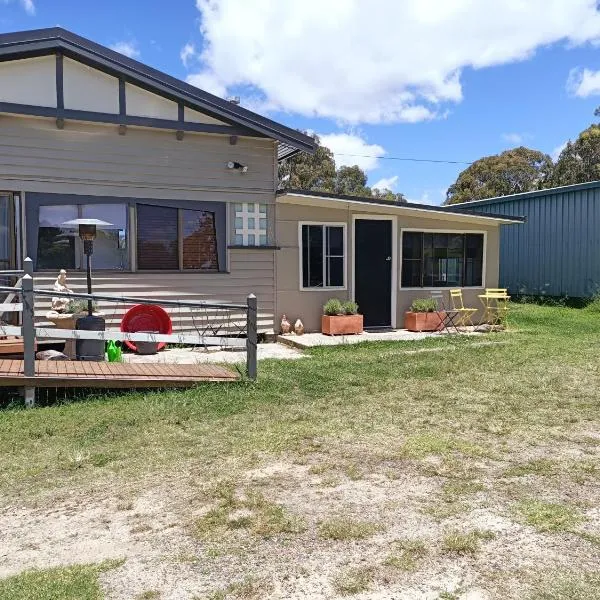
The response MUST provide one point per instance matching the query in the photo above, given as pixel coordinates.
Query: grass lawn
(439, 468)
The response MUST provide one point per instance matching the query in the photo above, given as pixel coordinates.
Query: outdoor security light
(87, 234)
(236, 165)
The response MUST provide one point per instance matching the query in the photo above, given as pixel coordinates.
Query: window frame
(245, 231)
(79, 254)
(451, 232)
(323, 224)
(180, 268)
(12, 228)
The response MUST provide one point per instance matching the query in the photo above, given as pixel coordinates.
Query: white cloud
(27, 5)
(556, 152)
(386, 183)
(513, 138)
(423, 199)
(207, 82)
(188, 52)
(350, 149)
(375, 63)
(583, 82)
(129, 49)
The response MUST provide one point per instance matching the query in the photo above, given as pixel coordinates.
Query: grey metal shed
(557, 251)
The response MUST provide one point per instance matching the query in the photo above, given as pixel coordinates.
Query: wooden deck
(84, 374)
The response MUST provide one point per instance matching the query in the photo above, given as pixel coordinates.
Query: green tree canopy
(351, 181)
(518, 170)
(580, 160)
(318, 172)
(305, 171)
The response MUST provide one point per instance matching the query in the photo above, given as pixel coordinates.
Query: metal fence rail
(29, 332)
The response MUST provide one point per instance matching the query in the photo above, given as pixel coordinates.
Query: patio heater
(89, 349)
(87, 234)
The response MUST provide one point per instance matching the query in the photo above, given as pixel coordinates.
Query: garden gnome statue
(299, 327)
(60, 304)
(286, 326)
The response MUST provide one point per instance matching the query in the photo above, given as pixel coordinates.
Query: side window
(323, 256)
(250, 224)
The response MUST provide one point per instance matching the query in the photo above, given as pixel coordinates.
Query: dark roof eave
(40, 42)
(378, 201)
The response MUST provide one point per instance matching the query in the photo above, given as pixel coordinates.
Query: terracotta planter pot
(341, 324)
(429, 321)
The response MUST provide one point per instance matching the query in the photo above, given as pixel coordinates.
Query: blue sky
(422, 79)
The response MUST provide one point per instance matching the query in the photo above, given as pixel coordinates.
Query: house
(188, 182)
(557, 251)
(381, 254)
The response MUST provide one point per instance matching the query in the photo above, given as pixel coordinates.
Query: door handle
(388, 258)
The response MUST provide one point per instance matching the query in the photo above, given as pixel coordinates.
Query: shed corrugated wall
(557, 251)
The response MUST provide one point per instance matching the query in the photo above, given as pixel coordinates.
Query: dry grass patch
(540, 466)
(427, 444)
(252, 512)
(406, 555)
(345, 528)
(353, 580)
(250, 588)
(567, 586)
(456, 542)
(548, 516)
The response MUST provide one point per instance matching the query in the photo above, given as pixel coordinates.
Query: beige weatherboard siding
(307, 304)
(249, 272)
(86, 158)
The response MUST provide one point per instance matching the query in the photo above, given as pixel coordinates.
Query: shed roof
(575, 187)
(295, 196)
(41, 42)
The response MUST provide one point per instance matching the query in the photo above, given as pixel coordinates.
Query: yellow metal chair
(465, 313)
(495, 301)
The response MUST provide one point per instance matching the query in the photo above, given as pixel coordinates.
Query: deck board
(55, 373)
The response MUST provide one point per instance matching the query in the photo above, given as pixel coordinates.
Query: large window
(174, 239)
(442, 259)
(323, 251)
(61, 248)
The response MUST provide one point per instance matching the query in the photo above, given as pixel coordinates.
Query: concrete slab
(310, 340)
(192, 356)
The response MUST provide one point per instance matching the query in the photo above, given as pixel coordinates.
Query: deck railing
(246, 338)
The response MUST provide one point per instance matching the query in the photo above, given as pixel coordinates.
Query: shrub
(80, 305)
(333, 307)
(421, 305)
(350, 307)
(594, 304)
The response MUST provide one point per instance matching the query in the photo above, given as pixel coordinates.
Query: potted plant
(424, 316)
(341, 318)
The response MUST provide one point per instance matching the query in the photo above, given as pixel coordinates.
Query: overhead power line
(408, 159)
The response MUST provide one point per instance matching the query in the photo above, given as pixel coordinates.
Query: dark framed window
(173, 239)
(60, 248)
(442, 259)
(323, 256)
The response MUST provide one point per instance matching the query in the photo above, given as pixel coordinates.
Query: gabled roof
(40, 42)
(574, 187)
(290, 194)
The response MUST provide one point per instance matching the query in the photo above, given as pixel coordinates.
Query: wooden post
(28, 331)
(252, 337)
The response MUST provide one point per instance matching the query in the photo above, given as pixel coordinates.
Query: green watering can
(113, 352)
